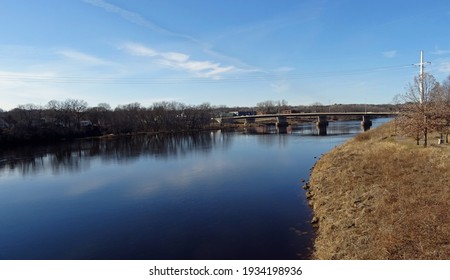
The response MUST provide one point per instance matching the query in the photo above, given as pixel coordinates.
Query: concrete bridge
(321, 118)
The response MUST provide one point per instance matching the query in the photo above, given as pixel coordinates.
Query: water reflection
(310, 129)
(207, 195)
(76, 156)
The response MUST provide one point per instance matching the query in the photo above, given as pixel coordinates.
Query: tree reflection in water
(76, 156)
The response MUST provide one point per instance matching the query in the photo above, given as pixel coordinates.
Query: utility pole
(421, 85)
(421, 78)
(422, 98)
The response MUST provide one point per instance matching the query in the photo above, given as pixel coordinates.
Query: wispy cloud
(136, 18)
(139, 50)
(82, 57)
(390, 54)
(125, 14)
(179, 61)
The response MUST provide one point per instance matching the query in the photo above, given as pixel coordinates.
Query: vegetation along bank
(381, 196)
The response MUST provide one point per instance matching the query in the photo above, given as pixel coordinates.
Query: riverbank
(379, 196)
(9, 142)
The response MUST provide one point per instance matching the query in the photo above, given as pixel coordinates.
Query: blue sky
(233, 53)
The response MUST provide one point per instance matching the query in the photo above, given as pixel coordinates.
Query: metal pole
(422, 94)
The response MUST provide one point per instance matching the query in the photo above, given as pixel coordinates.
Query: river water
(207, 195)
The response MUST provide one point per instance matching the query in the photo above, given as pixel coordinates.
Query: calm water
(209, 195)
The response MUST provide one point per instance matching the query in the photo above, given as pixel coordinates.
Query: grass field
(380, 196)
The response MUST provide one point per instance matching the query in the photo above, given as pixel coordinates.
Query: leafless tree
(75, 108)
(282, 105)
(101, 117)
(267, 107)
(442, 116)
(417, 112)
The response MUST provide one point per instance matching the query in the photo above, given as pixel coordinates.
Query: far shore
(380, 196)
(43, 138)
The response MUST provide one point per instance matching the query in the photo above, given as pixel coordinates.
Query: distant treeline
(273, 107)
(73, 118)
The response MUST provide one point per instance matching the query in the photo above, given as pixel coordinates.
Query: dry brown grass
(378, 198)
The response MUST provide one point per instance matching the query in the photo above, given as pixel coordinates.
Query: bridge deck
(316, 115)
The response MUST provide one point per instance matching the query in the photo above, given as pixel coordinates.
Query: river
(206, 195)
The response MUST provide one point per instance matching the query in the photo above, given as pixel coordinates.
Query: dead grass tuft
(362, 137)
(376, 198)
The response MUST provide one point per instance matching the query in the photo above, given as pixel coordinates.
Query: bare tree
(56, 114)
(317, 107)
(75, 108)
(442, 116)
(267, 107)
(62, 119)
(127, 118)
(101, 116)
(417, 112)
(29, 115)
(282, 105)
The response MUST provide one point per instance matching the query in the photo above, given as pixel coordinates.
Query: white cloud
(174, 56)
(198, 66)
(179, 61)
(139, 50)
(214, 73)
(82, 57)
(138, 19)
(390, 54)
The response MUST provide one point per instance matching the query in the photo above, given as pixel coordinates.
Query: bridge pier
(249, 120)
(366, 123)
(282, 121)
(322, 120)
(322, 124)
